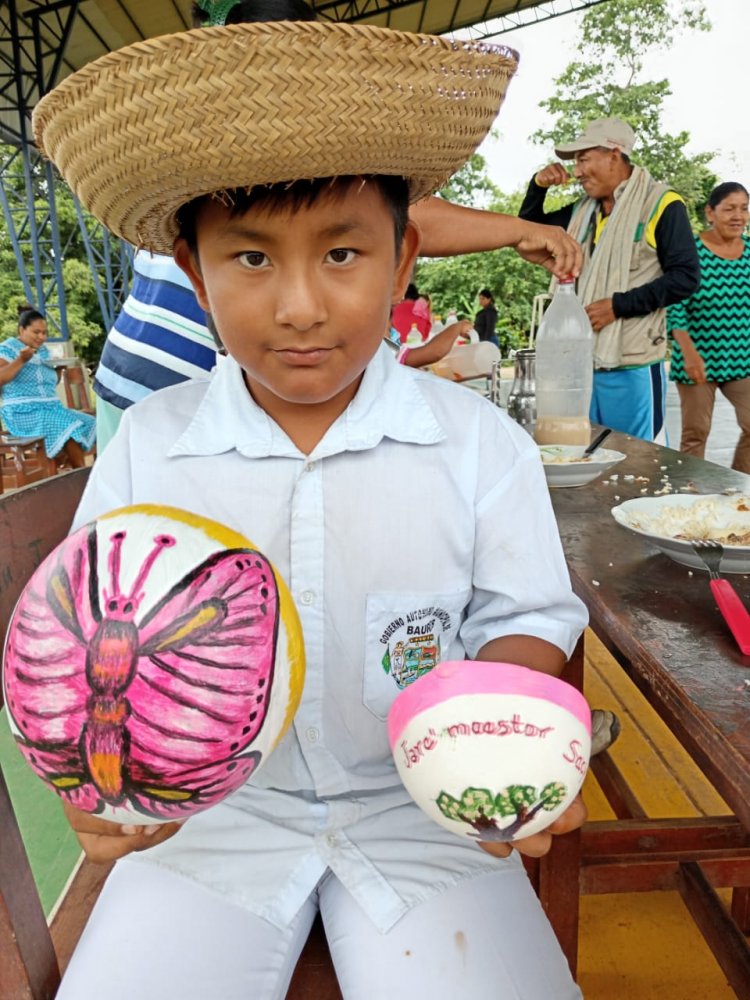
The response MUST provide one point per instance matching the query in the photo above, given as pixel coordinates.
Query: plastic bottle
(414, 337)
(437, 327)
(564, 370)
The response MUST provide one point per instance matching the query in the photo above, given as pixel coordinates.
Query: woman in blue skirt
(29, 406)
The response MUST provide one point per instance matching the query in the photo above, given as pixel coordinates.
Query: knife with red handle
(734, 611)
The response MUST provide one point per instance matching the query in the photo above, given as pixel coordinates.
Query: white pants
(155, 935)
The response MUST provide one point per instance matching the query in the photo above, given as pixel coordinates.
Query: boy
(160, 338)
(381, 494)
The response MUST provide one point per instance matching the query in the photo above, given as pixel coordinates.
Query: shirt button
(310, 466)
(331, 840)
(307, 596)
(312, 735)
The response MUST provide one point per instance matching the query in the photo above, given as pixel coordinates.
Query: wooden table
(660, 622)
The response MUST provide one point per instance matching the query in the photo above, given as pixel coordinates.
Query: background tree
(453, 283)
(606, 81)
(470, 185)
(84, 317)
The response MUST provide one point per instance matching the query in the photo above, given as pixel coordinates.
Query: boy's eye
(341, 256)
(253, 259)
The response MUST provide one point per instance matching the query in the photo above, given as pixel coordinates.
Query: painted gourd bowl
(152, 663)
(492, 751)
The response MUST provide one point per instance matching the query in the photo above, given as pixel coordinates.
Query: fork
(730, 604)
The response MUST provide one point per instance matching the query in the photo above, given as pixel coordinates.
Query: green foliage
(86, 331)
(453, 283)
(606, 81)
(84, 318)
(470, 185)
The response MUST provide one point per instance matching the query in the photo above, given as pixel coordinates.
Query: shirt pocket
(406, 634)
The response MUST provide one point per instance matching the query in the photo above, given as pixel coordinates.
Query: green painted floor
(51, 844)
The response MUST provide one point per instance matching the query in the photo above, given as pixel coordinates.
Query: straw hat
(141, 131)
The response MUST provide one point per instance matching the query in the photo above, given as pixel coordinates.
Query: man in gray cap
(639, 257)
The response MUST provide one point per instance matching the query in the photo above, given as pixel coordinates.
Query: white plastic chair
(538, 306)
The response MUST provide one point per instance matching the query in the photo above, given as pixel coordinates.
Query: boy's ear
(187, 261)
(407, 258)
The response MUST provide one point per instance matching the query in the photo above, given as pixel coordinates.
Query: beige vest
(638, 340)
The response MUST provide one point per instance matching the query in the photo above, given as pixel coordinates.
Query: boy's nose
(300, 304)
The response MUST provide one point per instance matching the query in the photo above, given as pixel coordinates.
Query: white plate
(678, 513)
(563, 465)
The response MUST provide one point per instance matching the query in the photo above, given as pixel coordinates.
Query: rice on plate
(672, 523)
(565, 464)
(724, 519)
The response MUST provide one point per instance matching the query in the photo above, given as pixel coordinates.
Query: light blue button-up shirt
(418, 529)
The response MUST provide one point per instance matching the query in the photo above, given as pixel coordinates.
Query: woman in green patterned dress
(711, 329)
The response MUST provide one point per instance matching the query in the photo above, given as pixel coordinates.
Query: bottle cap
(567, 280)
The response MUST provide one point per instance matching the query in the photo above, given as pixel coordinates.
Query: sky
(707, 73)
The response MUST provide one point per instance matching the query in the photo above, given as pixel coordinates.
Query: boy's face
(301, 299)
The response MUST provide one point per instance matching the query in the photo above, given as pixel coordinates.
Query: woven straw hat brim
(141, 131)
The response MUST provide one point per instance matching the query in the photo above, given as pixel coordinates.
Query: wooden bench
(32, 955)
(23, 460)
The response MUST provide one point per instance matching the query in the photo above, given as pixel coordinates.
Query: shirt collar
(389, 403)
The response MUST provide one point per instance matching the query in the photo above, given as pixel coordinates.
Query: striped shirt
(717, 317)
(159, 339)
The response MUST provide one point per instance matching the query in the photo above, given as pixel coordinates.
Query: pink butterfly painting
(154, 712)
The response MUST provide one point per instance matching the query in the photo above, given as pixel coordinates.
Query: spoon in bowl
(597, 441)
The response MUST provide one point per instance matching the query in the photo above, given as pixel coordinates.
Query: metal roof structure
(43, 41)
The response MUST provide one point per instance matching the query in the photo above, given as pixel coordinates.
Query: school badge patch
(412, 643)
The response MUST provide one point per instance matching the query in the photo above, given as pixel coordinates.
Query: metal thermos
(493, 384)
(522, 399)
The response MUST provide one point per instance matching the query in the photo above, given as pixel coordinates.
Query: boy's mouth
(303, 355)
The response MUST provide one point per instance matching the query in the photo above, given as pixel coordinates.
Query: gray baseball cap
(611, 133)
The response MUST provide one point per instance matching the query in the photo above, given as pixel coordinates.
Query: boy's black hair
(412, 292)
(723, 191)
(487, 294)
(296, 195)
(245, 11)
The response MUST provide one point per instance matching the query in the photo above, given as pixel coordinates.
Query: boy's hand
(103, 841)
(538, 845)
(551, 247)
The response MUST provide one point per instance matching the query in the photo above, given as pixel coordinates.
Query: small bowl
(564, 464)
(491, 751)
